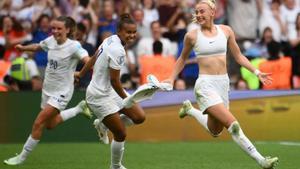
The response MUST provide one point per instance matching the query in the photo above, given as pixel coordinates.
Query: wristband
(256, 72)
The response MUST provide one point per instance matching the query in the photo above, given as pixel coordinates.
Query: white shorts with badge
(103, 106)
(58, 101)
(211, 90)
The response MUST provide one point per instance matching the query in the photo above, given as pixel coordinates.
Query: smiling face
(204, 13)
(59, 31)
(128, 33)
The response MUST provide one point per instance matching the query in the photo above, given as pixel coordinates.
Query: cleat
(85, 109)
(102, 131)
(187, 105)
(269, 163)
(16, 160)
(120, 167)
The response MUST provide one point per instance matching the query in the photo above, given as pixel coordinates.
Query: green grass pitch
(167, 155)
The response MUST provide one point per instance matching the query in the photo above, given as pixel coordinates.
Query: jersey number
(53, 64)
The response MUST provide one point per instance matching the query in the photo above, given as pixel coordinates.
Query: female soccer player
(105, 94)
(63, 55)
(210, 43)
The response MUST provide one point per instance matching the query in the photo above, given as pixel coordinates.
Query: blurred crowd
(267, 31)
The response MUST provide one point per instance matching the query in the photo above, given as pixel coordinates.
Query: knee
(139, 120)
(49, 126)
(216, 134)
(120, 135)
(234, 128)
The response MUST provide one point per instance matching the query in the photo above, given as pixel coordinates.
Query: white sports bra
(210, 46)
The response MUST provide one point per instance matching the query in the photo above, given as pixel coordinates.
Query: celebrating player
(210, 43)
(63, 55)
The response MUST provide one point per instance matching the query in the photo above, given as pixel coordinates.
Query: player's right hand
(19, 47)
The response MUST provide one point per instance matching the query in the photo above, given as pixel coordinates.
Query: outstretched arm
(32, 47)
(265, 78)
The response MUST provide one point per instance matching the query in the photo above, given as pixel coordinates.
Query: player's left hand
(265, 78)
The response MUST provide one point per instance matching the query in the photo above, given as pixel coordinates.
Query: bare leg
(135, 113)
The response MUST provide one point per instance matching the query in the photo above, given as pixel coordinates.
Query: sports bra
(210, 46)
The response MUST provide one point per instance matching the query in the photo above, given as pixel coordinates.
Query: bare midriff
(212, 65)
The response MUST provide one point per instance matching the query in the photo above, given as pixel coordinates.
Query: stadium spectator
(64, 53)
(7, 8)
(179, 84)
(289, 11)
(4, 69)
(90, 21)
(272, 17)
(144, 46)
(24, 74)
(143, 30)
(41, 32)
(244, 29)
(81, 34)
(280, 68)
(11, 33)
(150, 12)
(212, 86)
(105, 93)
(294, 39)
(157, 64)
(107, 22)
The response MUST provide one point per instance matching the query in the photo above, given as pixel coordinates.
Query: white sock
(126, 120)
(117, 150)
(70, 113)
(239, 137)
(28, 147)
(200, 117)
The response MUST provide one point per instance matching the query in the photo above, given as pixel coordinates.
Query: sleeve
(80, 52)
(45, 43)
(116, 58)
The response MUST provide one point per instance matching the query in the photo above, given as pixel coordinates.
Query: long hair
(69, 23)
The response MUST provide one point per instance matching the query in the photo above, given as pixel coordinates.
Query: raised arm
(243, 61)
(182, 58)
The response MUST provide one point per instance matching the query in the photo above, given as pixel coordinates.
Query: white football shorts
(211, 90)
(103, 106)
(56, 100)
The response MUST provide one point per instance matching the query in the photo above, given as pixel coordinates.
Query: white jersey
(62, 61)
(112, 55)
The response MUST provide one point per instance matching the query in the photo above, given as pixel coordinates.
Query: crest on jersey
(121, 60)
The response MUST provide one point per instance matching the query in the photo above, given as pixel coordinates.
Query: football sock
(70, 113)
(28, 147)
(199, 116)
(239, 137)
(117, 150)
